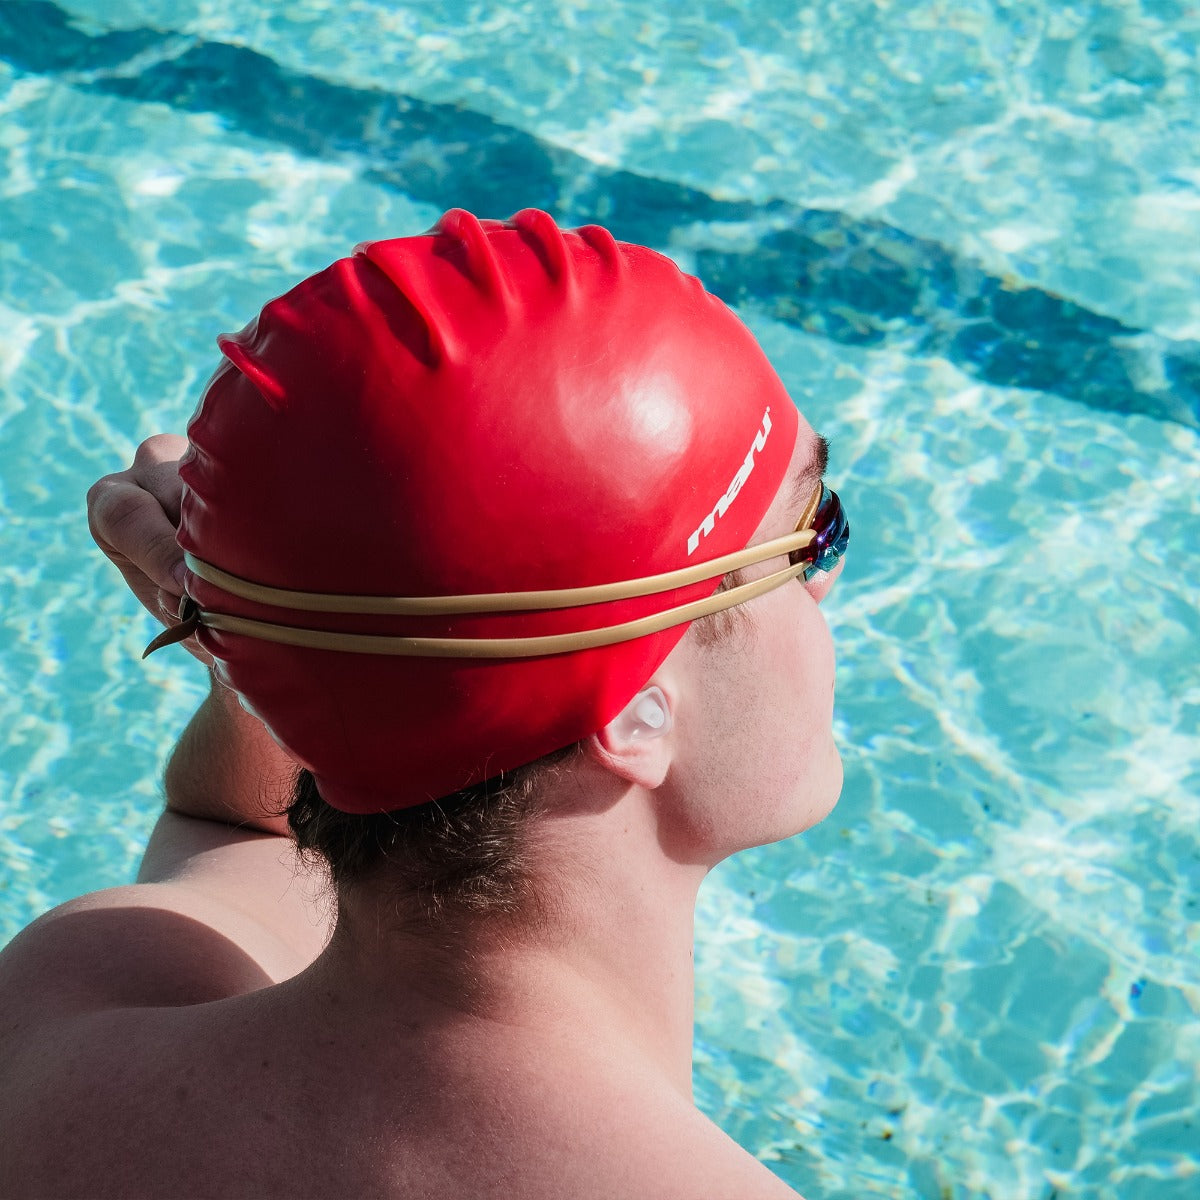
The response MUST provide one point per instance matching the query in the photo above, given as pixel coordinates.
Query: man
(512, 539)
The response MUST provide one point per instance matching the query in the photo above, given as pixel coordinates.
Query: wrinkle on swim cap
(488, 407)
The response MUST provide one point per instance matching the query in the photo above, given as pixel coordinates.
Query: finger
(130, 526)
(156, 468)
(169, 605)
(162, 447)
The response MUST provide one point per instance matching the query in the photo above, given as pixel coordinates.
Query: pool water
(968, 235)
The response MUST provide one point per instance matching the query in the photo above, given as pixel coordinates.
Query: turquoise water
(968, 235)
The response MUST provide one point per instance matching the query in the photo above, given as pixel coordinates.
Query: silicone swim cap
(491, 407)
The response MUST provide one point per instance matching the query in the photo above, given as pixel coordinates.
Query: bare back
(167, 1039)
(206, 1101)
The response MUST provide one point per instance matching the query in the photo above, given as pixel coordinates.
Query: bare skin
(208, 1032)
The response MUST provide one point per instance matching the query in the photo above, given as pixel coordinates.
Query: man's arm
(226, 767)
(224, 834)
(222, 904)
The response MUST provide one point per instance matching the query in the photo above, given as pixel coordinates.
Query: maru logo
(735, 484)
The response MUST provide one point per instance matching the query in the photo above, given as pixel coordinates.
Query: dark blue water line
(855, 281)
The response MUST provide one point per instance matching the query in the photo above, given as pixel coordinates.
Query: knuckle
(121, 509)
(98, 490)
(160, 448)
(114, 514)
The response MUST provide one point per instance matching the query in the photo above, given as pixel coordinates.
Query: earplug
(647, 715)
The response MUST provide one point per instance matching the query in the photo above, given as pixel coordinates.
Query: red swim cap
(489, 407)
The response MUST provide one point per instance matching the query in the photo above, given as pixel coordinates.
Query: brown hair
(462, 855)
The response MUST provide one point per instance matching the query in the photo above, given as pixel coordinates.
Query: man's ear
(636, 744)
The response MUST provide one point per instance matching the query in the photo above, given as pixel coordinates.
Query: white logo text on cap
(735, 485)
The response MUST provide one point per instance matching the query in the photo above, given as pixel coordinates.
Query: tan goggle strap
(540, 601)
(488, 602)
(523, 647)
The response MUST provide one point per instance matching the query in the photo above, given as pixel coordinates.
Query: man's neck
(607, 963)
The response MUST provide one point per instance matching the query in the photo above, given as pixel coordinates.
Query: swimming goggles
(816, 545)
(827, 519)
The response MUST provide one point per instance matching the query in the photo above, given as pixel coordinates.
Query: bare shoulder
(228, 912)
(715, 1167)
(650, 1141)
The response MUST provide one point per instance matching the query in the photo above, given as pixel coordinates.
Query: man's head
(486, 409)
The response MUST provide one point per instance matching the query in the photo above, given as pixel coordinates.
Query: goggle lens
(833, 535)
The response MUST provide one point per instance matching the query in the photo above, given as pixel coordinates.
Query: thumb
(130, 526)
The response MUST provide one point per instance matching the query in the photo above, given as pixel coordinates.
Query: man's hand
(133, 516)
